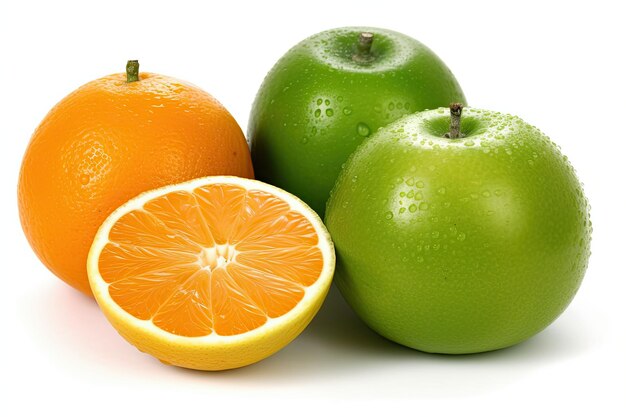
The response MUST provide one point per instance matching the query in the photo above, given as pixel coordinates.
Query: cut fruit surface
(213, 273)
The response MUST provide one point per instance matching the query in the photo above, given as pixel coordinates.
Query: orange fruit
(214, 273)
(107, 142)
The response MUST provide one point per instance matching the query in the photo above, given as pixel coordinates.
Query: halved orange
(214, 273)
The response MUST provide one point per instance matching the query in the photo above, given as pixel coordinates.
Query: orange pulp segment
(218, 259)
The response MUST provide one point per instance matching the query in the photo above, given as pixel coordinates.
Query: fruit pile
(456, 230)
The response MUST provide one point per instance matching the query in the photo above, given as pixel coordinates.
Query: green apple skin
(459, 245)
(317, 105)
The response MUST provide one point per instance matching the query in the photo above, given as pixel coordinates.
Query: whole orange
(108, 141)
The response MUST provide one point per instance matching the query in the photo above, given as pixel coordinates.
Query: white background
(560, 66)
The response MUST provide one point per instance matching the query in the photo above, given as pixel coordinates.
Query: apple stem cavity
(455, 121)
(132, 71)
(363, 53)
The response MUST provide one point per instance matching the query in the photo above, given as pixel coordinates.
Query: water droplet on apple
(412, 208)
(391, 106)
(402, 210)
(389, 215)
(327, 102)
(329, 112)
(362, 129)
(423, 206)
(319, 101)
(419, 184)
(486, 193)
(347, 111)
(318, 113)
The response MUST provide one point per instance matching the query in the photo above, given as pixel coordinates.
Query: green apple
(459, 240)
(328, 93)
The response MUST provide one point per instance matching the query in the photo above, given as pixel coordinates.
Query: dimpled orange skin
(105, 143)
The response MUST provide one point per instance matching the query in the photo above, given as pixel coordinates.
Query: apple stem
(364, 48)
(132, 71)
(455, 121)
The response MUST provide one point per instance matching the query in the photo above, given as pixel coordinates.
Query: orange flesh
(219, 259)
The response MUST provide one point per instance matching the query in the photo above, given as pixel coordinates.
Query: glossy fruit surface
(107, 142)
(459, 245)
(211, 274)
(319, 102)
